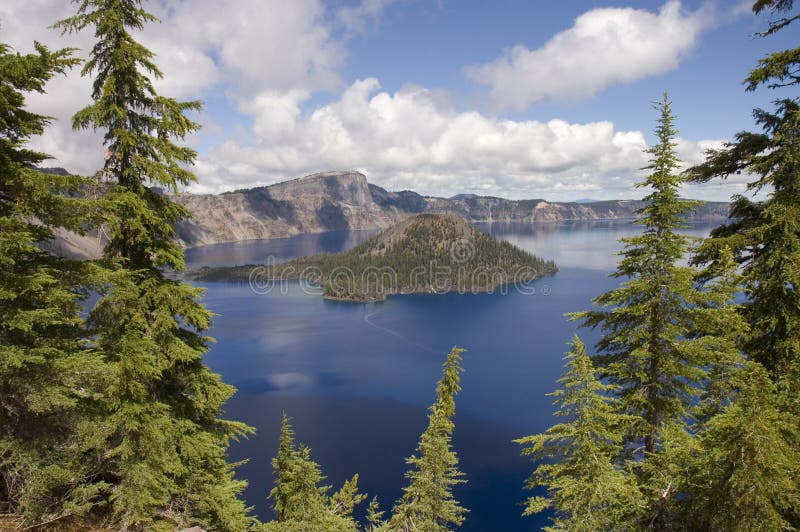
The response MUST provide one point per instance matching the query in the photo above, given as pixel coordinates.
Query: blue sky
(511, 98)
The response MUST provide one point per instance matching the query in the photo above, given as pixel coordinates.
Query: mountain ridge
(345, 200)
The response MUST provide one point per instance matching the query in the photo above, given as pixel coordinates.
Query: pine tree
(166, 442)
(375, 520)
(282, 490)
(586, 489)
(646, 320)
(296, 494)
(743, 475)
(427, 503)
(48, 376)
(344, 501)
(663, 334)
(765, 238)
(765, 235)
(299, 502)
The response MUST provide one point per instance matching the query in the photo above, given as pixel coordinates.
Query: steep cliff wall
(312, 204)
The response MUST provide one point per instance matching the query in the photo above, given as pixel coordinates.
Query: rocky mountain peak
(346, 186)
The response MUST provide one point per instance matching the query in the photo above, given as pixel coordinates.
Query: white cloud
(243, 47)
(604, 47)
(362, 18)
(271, 56)
(24, 22)
(414, 139)
(261, 44)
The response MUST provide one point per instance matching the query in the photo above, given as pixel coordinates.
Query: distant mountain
(426, 253)
(346, 201)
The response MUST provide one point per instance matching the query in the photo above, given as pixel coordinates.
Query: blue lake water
(357, 378)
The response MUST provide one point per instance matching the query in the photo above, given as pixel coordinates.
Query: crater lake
(357, 379)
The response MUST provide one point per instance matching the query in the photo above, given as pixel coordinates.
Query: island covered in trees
(428, 253)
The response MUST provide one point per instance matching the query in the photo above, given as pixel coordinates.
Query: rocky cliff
(345, 200)
(311, 204)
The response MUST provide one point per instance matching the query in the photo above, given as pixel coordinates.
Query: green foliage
(375, 520)
(299, 502)
(651, 347)
(778, 69)
(586, 489)
(669, 345)
(48, 375)
(427, 503)
(344, 501)
(743, 474)
(165, 444)
(750, 447)
(662, 479)
(765, 235)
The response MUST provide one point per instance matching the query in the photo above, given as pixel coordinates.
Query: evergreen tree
(48, 376)
(765, 238)
(295, 494)
(427, 503)
(299, 502)
(743, 475)
(344, 501)
(663, 334)
(765, 235)
(647, 319)
(375, 520)
(586, 489)
(166, 442)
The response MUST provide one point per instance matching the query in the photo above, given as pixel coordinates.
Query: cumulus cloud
(414, 139)
(262, 44)
(270, 57)
(21, 24)
(604, 47)
(255, 45)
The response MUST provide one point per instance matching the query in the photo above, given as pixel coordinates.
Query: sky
(511, 98)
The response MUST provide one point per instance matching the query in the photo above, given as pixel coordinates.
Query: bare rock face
(312, 204)
(74, 246)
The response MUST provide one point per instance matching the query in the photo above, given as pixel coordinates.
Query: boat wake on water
(368, 321)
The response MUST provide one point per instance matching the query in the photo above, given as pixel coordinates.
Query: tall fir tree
(166, 442)
(48, 375)
(764, 235)
(585, 488)
(427, 503)
(662, 333)
(646, 319)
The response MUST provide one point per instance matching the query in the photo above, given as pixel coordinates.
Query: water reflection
(593, 245)
(282, 249)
